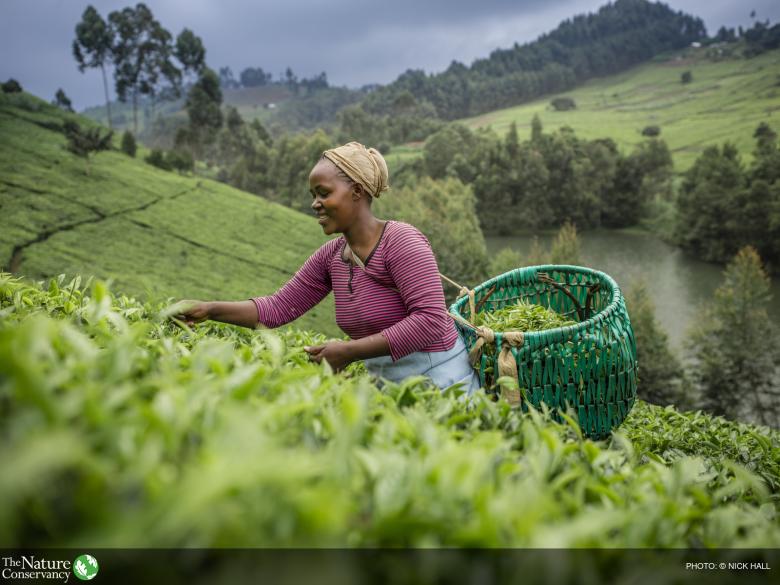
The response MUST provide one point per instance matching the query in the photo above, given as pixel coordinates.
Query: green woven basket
(590, 366)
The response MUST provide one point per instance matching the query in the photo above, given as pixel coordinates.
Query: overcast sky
(354, 41)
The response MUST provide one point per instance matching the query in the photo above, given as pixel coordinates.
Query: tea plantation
(120, 428)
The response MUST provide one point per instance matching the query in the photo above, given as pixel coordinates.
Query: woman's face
(332, 198)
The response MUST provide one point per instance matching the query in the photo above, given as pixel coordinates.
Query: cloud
(354, 41)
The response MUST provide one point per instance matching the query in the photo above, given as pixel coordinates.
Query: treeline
(548, 179)
(257, 77)
(724, 205)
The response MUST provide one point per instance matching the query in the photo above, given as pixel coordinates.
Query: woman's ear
(357, 191)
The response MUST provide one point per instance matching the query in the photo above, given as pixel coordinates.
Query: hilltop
(151, 232)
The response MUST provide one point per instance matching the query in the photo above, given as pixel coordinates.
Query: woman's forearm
(368, 347)
(243, 313)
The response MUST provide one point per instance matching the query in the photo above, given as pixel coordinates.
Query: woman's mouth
(322, 219)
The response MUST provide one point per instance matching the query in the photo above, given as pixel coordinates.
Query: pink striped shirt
(402, 299)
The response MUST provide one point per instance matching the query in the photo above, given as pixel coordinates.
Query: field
(726, 100)
(151, 232)
(125, 430)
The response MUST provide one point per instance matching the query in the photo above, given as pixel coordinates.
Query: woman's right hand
(192, 312)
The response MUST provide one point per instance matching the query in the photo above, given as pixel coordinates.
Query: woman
(384, 277)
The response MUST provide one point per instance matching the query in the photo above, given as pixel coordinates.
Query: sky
(355, 42)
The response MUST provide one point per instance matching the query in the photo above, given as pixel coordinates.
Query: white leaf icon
(81, 568)
(92, 561)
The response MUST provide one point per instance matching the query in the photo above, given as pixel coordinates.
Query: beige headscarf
(363, 165)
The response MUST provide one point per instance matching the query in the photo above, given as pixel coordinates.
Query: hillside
(148, 230)
(725, 101)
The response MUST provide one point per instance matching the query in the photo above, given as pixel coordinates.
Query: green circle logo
(85, 567)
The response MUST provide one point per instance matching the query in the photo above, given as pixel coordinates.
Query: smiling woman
(383, 275)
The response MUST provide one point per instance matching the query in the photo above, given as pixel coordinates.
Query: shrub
(651, 131)
(12, 86)
(157, 158)
(686, 77)
(128, 144)
(180, 160)
(561, 104)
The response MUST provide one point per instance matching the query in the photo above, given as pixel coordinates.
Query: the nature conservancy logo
(85, 567)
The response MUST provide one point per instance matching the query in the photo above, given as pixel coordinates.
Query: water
(677, 283)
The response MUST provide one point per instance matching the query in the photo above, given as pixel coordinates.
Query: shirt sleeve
(304, 290)
(412, 265)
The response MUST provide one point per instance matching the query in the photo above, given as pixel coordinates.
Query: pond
(677, 282)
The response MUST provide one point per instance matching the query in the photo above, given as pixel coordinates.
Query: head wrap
(363, 165)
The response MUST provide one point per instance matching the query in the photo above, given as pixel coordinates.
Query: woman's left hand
(336, 353)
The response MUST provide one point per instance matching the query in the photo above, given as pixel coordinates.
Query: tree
(83, 142)
(226, 78)
(536, 128)
(190, 51)
(203, 108)
(93, 47)
(62, 101)
(735, 346)
(662, 379)
(142, 55)
(12, 86)
(128, 143)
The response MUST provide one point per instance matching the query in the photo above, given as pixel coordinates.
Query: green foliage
(505, 260)
(157, 158)
(128, 144)
(142, 52)
(190, 51)
(686, 77)
(651, 131)
(661, 377)
(444, 212)
(563, 104)
(724, 206)
(521, 316)
(84, 141)
(566, 246)
(62, 101)
(92, 47)
(11, 86)
(124, 429)
(204, 110)
(736, 347)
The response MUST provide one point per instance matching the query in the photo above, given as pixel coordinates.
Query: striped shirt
(398, 294)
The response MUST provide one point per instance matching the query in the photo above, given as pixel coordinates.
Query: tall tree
(203, 108)
(93, 46)
(735, 346)
(142, 55)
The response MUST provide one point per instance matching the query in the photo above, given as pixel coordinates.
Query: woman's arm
(243, 313)
(339, 354)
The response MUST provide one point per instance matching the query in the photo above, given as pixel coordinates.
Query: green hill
(725, 101)
(149, 230)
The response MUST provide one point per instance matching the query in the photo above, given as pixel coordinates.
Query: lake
(677, 283)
